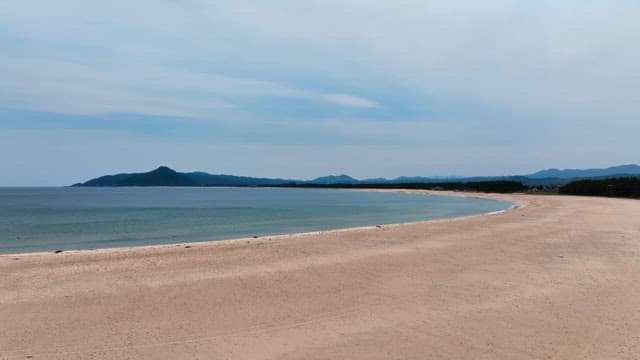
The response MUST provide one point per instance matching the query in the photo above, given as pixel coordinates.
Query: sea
(74, 218)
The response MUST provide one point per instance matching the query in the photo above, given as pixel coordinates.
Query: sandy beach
(558, 277)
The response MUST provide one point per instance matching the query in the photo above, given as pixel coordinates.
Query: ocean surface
(48, 219)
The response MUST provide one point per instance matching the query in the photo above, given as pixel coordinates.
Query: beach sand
(558, 277)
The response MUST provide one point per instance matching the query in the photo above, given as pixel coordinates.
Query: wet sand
(558, 277)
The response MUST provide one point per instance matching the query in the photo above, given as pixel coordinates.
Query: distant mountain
(204, 179)
(587, 173)
(376, 181)
(164, 176)
(334, 179)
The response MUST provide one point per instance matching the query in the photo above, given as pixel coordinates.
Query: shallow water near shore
(47, 219)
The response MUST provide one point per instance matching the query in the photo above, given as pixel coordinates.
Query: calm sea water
(46, 219)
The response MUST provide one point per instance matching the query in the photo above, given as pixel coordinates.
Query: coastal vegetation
(498, 186)
(628, 187)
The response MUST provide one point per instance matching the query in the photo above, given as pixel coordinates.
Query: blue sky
(308, 88)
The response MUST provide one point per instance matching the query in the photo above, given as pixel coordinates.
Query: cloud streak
(58, 86)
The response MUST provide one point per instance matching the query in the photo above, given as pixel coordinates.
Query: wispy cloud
(63, 86)
(351, 100)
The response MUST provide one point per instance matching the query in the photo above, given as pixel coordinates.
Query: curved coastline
(500, 197)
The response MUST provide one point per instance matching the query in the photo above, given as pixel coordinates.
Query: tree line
(498, 186)
(628, 187)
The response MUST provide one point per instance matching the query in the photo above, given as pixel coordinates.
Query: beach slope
(558, 277)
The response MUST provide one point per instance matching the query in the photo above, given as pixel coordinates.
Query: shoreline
(558, 277)
(491, 196)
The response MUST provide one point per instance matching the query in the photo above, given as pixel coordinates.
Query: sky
(301, 89)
